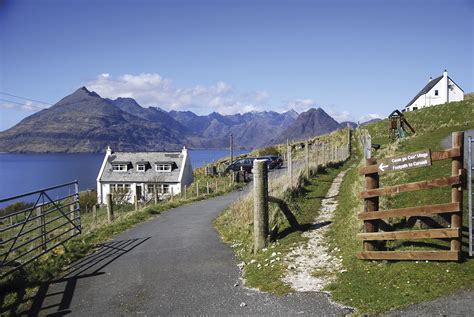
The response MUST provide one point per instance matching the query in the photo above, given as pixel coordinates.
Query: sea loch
(20, 173)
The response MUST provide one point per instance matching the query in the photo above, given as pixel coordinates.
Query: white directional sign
(406, 161)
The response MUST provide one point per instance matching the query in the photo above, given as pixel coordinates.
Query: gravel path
(174, 264)
(314, 256)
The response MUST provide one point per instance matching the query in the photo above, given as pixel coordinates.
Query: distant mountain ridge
(86, 122)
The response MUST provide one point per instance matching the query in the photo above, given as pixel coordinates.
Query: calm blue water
(20, 173)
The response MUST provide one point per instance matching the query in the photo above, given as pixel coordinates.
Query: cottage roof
(425, 89)
(150, 175)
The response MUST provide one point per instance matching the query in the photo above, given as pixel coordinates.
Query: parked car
(274, 161)
(245, 163)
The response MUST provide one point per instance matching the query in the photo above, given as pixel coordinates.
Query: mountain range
(86, 122)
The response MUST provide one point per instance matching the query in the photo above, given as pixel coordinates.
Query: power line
(29, 99)
(21, 104)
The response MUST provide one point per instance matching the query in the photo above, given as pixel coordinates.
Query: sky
(356, 59)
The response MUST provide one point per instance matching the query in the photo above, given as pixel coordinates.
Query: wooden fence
(373, 239)
(316, 153)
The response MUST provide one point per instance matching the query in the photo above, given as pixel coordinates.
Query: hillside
(310, 123)
(372, 287)
(405, 282)
(86, 122)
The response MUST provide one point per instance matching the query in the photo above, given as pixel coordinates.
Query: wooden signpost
(404, 162)
(374, 239)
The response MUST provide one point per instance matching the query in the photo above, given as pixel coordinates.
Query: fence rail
(372, 217)
(39, 227)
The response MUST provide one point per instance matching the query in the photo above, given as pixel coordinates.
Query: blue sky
(355, 59)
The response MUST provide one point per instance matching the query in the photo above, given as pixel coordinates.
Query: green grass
(235, 226)
(377, 286)
(18, 290)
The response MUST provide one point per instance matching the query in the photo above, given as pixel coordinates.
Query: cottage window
(163, 188)
(119, 188)
(140, 167)
(163, 167)
(119, 167)
(150, 189)
(436, 92)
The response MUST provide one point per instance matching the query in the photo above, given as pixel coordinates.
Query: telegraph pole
(231, 148)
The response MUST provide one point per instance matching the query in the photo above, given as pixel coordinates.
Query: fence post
(155, 194)
(94, 215)
(172, 193)
(135, 200)
(197, 189)
(371, 204)
(207, 184)
(110, 208)
(41, 227)
(323, 154)
(306, 147)
(456, 190)
(72, 216)
(289, 163)
(217, 189)
(185, 191)
(348, 139)
(260, 204)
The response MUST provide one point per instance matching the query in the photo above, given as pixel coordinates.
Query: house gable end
(425, 90)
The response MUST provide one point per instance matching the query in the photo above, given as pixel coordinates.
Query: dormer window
(163, 167)
(142, 165)
(119, 167)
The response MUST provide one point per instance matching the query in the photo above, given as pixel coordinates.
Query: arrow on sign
(382, 167)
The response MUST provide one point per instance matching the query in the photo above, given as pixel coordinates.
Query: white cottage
(141, 174)
(438, 91)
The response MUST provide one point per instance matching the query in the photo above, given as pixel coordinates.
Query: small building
(438, 91)
(127, 175)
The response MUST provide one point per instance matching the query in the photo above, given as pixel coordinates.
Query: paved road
(171, 265)
(460, 304)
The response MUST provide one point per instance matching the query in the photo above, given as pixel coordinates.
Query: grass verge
(264, 270)
(18, 290)
(377, 286)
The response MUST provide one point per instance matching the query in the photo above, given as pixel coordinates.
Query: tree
(87, 200)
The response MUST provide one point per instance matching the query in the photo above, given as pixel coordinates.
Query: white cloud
(151, 89)
(299, 105)
(370, 116)
(341, 116)
(7, 105)
(28, 106)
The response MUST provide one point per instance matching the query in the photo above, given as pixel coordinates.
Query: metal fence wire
(35, 224)
(469, 186)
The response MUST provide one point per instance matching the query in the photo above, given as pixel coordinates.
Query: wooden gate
(373, 239)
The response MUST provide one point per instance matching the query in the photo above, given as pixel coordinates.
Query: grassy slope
(377, 286)
(235, 225)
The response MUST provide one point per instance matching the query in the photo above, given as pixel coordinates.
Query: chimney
(445, 77)
(109, 151)
(429, 80)
(184, 150)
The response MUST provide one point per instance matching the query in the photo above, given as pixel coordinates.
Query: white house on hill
(141, 174)
(438, 91)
